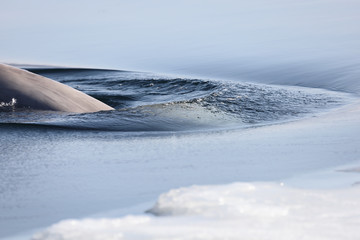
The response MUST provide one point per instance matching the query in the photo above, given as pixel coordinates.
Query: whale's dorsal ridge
(38, 92)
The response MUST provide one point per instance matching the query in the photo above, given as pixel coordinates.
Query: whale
(32, 91)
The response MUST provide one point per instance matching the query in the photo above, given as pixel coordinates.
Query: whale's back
(37, 92)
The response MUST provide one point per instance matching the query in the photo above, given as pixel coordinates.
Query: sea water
(254, 93)
(165, 133)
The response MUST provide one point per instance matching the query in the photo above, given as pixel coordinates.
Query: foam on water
(233, 211)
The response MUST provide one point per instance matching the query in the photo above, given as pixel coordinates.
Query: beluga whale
(30, 90)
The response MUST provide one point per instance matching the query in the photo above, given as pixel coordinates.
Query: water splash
(7, 106)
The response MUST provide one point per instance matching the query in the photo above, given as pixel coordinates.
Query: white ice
(233, 211)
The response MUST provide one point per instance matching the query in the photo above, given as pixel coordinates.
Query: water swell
(149, 102)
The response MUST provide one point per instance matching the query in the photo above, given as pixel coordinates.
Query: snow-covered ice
(233, 211)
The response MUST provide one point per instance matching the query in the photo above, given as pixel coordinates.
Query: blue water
(58, 165)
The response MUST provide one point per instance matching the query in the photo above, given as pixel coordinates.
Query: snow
(232, 211)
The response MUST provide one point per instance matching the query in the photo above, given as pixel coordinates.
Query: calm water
(60, 165)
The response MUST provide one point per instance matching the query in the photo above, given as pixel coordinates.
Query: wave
(150, 102)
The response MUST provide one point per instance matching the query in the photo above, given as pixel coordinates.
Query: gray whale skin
(36, 92)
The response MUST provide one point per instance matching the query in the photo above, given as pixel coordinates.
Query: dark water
(149, 102)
